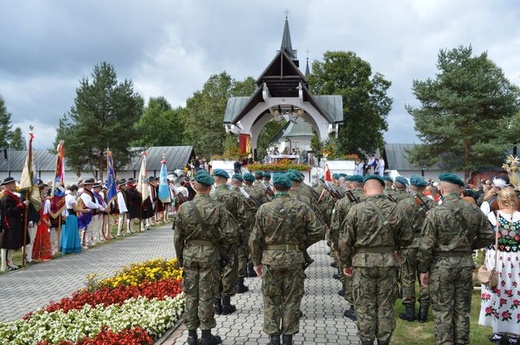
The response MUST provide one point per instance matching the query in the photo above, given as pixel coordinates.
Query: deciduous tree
(204, 113)
(365, 100)
(160, 125)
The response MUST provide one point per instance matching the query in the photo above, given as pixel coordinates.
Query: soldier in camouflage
(199, 247)
(243, 249)
(257, 193)
(283, 227)
(343, 205)
(297, 192)
(400, 188)
(450, 232)
(239, 209)
(415, 206)
(373, 231)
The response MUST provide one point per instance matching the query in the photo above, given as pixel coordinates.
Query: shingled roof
(177, 157)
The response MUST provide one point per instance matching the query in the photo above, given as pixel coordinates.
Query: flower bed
(135, 306)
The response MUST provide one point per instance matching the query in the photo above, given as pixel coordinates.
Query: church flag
(28, 182)
(142, 184)
(58, 188)
(111, 180)
(164, 190)
(327, 175)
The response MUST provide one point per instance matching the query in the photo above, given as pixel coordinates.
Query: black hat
(89, 181)
(131, 180)
(8, 180)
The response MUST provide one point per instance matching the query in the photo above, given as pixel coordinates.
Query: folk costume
(13, 225)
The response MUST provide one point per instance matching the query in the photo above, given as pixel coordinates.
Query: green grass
(413, 333)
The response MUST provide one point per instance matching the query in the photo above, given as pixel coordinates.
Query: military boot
(250, 270)
(192, 337)
(423, 314)
(217, 305)
(241, 288)
(287, 339)
(210, 339)
(227, 307)
(367, 342)
(275, 340)
(350, 313)
(409, 314)
(379, 342)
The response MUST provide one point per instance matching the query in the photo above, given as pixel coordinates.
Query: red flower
(506, 315)
(105, 296)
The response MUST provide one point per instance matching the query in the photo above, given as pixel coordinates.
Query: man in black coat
(13, 211)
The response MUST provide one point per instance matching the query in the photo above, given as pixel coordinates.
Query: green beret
(451, 178)
(267, 175)
(418, 181)
(204, 178)
(249, 177)
(221, 172)
(348, 178)
(374, 177)
(293, 177)
(357, 178)
(238, 177)
(259, 174)
(297, 173)
(387, 178)
(282, 180)
(335, 176)
(343, 175)
(402, 180)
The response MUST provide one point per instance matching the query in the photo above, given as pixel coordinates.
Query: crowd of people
(43, 229)
(386, 236)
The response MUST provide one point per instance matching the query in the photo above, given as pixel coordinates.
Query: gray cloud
(170, 48)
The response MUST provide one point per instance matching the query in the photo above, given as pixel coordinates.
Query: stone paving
(322, 323)
(27, 289)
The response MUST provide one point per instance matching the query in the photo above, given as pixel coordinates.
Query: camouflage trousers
(243, 259)
(199, 282)
(345, 281)
(409, 275)
(374, 298)
(450, 290)
(283, 290)
(229, 276)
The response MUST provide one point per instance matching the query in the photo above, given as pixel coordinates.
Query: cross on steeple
(286, 14)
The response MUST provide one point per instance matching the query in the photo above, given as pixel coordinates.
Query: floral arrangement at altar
(135, 306)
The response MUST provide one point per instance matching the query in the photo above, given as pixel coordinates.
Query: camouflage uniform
(282, 228)
(338, 216)
(450, 232)
(416, 213)
(368, 246)
(239, 209)
(399, 194)
(196, 251)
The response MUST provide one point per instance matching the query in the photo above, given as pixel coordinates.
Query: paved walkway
(27, 289)
(322, 323)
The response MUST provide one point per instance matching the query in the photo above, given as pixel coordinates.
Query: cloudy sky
(170, 47)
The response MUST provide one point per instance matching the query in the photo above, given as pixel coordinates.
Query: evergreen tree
(103, 115)
(465, 117)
